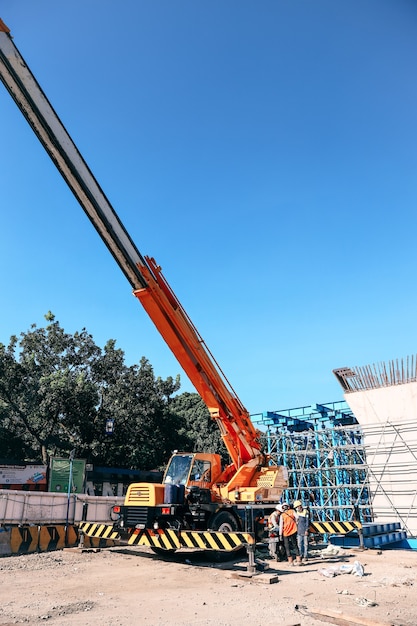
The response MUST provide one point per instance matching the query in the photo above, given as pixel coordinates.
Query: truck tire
(224, 522)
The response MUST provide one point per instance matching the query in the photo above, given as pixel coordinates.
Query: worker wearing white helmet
(302, 517)
(276, 547)
(273, 519)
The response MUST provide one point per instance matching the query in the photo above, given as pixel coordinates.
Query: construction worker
(273, 519)
(276, 546)
(288, 533)
(302, 517)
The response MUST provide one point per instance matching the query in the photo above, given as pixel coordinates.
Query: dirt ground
(129, 586)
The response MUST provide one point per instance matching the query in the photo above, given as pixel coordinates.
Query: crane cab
(193, 469)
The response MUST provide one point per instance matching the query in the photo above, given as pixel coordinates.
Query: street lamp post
(71, 461)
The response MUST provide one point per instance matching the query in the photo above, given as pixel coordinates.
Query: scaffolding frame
(383, 396)
(324, 452)
(392, 476)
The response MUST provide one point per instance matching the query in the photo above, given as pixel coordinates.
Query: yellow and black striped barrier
(23, 539)
(45, 538)
(28, 539)
(56, 537)
(334, 528)
(203, 540)
(170, 539)
(99, 531)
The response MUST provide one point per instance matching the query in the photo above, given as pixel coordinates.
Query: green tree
(57, 390)
(145, 429)
(46, 391)
(201, 430)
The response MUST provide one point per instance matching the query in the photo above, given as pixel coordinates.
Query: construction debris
(341, 619)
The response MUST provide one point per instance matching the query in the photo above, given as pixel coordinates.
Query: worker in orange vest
(288, 533)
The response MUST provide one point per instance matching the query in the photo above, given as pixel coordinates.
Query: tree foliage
(202, 431)
(58, 390)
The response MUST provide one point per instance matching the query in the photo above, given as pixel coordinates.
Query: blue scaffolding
(322, 448)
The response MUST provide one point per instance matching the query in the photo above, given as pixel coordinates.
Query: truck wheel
(224, 522)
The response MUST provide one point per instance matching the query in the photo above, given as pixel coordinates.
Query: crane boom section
(180, 334)
(31, 100)
(149, 285)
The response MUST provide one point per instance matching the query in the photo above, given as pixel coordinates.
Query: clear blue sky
(265, 153)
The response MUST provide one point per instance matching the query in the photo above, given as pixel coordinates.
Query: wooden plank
(343, 619)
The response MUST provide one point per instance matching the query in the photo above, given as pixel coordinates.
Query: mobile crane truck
(197, 493)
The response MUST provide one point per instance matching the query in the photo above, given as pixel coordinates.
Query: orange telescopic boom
(249, 467)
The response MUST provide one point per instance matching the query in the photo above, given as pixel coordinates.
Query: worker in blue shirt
(302, 517)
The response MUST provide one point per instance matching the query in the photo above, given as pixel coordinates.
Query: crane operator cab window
(178, 469)
(185, 468)
(201, 471)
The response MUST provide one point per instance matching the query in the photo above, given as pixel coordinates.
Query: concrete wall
(41, 521)
(388, 416)
(28, 507)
